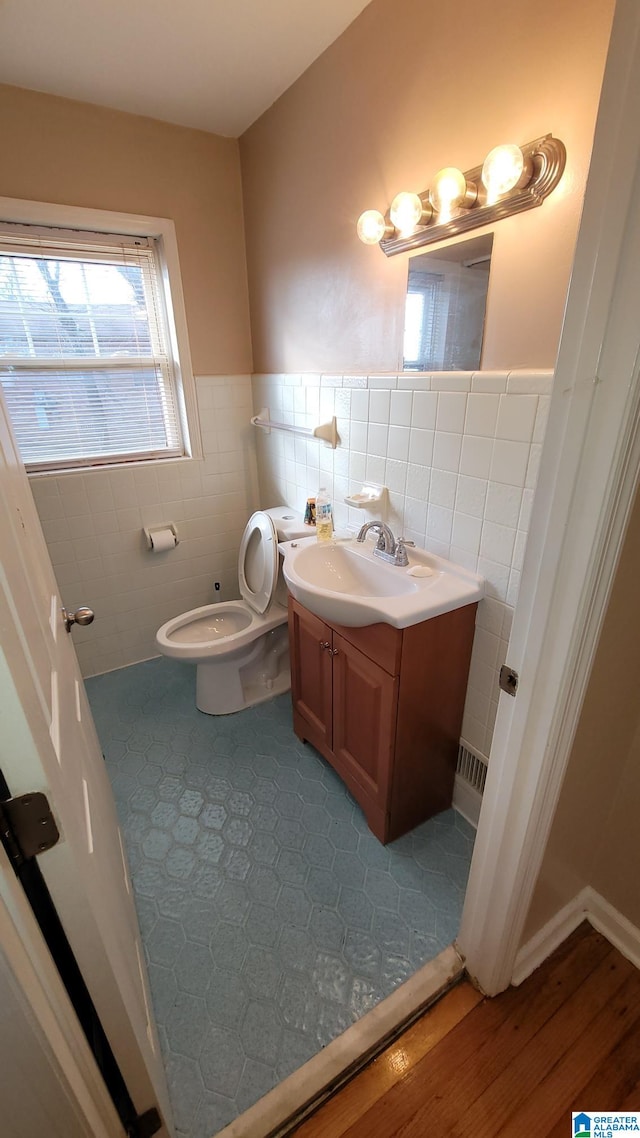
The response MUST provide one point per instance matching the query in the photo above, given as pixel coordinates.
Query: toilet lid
(258, 562)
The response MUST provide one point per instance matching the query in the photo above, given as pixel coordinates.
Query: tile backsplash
(459, 454)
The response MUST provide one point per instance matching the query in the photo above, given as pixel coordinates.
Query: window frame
(162, 231)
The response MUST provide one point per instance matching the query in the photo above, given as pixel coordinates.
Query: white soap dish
(368, 496)
(420, 571)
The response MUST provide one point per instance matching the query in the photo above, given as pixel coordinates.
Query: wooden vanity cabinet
(384, 706)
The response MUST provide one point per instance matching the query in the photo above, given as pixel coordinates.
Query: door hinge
(509, 679)
(27, 827)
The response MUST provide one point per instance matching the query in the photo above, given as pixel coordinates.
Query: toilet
(241, 648)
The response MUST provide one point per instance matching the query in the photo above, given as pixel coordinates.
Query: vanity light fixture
(511, 179)
(372, 227)
(407, 211)
(504, 169)
(451, 192)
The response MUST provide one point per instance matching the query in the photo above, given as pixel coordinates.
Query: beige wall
(594, 838)
(58, 150)
(408, 88)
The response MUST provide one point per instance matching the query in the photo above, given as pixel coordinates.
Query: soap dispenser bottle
(324, 516)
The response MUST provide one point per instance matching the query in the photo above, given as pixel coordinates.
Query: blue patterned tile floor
(272, 918)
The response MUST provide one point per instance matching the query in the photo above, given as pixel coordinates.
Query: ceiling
(212, 64)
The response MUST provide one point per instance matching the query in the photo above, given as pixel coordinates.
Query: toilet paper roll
(162, 540)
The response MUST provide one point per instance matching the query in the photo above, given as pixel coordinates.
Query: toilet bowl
(241, 648)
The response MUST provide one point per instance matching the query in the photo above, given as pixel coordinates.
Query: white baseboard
(550, 936)
(586, 905)
(467, 801)
(612, 924)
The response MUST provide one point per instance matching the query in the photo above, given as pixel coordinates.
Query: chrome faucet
(386, 546)
(386, 542)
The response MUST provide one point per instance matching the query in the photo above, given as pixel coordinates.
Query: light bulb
(371, 227)
(504, 168)
(406, 212)
(448, 189)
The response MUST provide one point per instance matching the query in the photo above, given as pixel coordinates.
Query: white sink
(343, 582)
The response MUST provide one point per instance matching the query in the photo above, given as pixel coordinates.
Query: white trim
(163, 230)
(590, 465)
(550, 936)
(467, 801)
(287, 1099)
(586, 905)
(622, 934)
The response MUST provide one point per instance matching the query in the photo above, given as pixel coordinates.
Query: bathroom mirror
(445, 307)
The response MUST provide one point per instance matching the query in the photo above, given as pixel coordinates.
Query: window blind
(85, 355)
(426, 315)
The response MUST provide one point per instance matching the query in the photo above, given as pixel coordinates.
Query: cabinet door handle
(333, 651)
(324, 644)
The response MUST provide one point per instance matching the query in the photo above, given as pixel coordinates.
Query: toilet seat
(240, 647)
(216, 630)
(258, 562)
(214, 622)
(222, 629)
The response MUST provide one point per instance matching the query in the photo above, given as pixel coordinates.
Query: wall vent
(471, 768)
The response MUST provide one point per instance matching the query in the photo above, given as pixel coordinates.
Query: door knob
(325, 644)
(80, 616)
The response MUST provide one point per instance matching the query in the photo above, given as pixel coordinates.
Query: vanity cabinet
(384, 706)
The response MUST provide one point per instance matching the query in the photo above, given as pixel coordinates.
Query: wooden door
(364, 728)
(310, 650)
(49, 743)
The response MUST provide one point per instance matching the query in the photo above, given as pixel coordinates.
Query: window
(425, 322)
(88, 362)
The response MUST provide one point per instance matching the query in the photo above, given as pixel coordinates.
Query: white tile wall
(93, 522)
(459, 453)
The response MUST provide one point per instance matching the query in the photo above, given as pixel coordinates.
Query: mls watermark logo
(599, 1124)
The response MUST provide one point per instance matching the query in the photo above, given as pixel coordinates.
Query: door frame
(589, 474)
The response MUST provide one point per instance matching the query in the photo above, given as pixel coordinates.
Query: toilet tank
(289, 525)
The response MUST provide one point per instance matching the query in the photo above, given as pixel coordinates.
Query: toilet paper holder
(155, 531)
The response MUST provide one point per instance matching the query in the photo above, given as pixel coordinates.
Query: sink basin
(343, 582)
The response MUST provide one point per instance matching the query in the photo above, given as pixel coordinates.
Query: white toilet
(241, 647)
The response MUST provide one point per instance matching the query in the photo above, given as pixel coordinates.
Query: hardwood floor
(567, 1039)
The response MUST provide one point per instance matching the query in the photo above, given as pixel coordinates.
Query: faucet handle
(401, 552)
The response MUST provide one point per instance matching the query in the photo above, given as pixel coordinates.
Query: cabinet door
(310, 650)
(364, 720)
